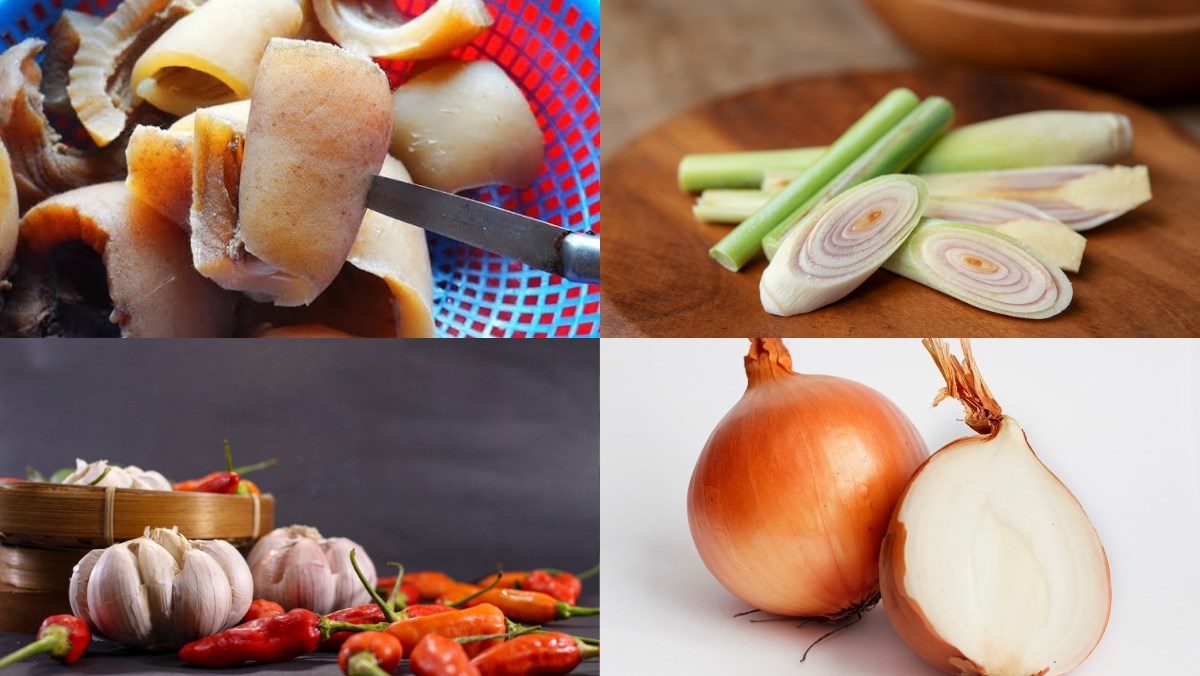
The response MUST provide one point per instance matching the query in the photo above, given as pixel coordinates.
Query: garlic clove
(157, 568)
(307, 580)
(349, 591)
(116, 599)
(201, 598)
(267, 544)
(80, 575)
(237, 575)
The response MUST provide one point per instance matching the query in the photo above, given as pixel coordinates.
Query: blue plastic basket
(551, 48)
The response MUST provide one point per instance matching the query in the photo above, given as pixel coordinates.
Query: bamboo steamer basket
(46, 528)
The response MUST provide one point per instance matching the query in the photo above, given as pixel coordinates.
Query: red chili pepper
(430, 584)
(546, 654)
(217, 482)
(482, 620)
(370, 653)
(572, 587)
(412, 594)
(437, 655)
(13, 480)
(527, 606)
(427, 609)
(261, 608)
(64, 637)
(541, 581)
(368, 614)
(270, 639)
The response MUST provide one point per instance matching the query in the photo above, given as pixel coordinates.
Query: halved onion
(211, 56)
(99, 78)
(989, 564)
(95, 261)
(376, 29)
(461, 125)
(984, 268)
(841, 243)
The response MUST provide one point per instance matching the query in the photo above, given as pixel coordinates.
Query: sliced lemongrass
(1082, 196)
(1060, 244)
(705, 171)
(745, 241)
(211, 56)
(1037, 139)
(841, 243)
(984, 268)
(892, 153)
(775, 179)
(378, 30)
(721, 205)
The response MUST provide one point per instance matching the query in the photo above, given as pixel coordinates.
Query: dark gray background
(439, 454)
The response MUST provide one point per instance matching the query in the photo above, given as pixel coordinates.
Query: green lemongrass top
(894, 151)
(743, 169)
(744, 242)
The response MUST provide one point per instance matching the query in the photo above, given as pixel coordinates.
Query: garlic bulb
(297, 568)
(161, 590)
(130, 476)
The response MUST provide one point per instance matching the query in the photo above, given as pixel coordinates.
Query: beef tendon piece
(41, 164)
(317, 133)
(211, 55)
(9, 215)
(464, 125)
(376, 29)
(96, 262)
(99, 79)
(65, 38)
(301, 331)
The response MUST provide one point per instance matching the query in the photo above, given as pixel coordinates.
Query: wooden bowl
(1142, 48)
(85, 517)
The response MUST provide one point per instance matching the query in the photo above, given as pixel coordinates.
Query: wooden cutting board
(1140, 275)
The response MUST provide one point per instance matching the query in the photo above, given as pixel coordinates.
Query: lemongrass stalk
(841, 243)
(984, 268)
(719, 205)
(1038, 139)
(774, 180)
(892, 153)
(743, 169)
(1082, 196)
(1048, 236)
(1042, 138)
(745, 241)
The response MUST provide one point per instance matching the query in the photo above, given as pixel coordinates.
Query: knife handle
(581, 258)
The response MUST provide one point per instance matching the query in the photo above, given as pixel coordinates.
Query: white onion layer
(841, 243)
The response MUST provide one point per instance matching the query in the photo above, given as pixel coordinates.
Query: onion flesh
(990, 565)
(795, 486)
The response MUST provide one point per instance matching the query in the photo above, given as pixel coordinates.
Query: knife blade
(538, 244)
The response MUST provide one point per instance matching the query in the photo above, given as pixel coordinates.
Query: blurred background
(453, 457)
(666, 56)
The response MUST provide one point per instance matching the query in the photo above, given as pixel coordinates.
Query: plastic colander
(551, 49)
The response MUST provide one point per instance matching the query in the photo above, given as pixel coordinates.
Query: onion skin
(794, 489)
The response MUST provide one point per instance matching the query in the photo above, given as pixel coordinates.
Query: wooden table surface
(665, 56)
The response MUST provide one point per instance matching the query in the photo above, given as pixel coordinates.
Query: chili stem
(565, 610)
(394, 598)
(459, 603)
(520, 631)
(383, 605)
(364, 663)
(228, 457)
(590, 572)
(55, 639)
(587, 651)
(254, 467)
(330, 627)
(744, 242)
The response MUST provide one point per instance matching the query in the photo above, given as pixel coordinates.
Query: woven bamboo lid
(24, 609)
(84, 517)
(37, 568)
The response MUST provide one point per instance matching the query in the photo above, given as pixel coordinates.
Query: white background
(1115, 420)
